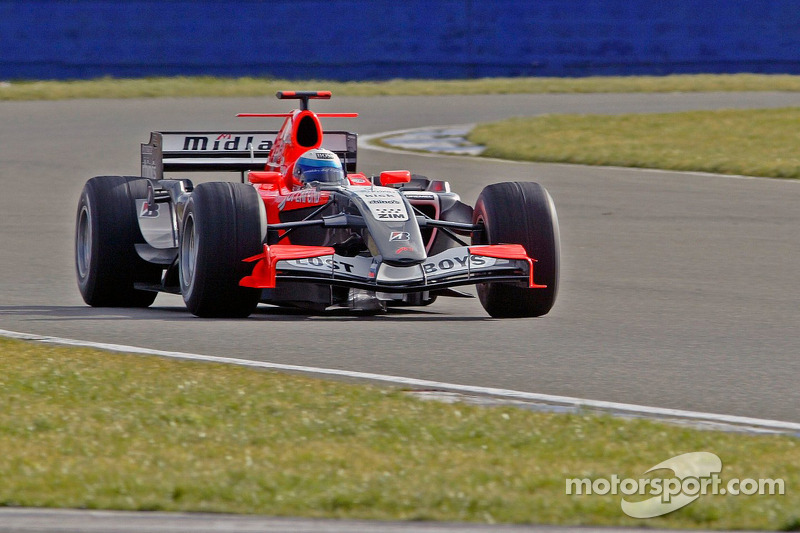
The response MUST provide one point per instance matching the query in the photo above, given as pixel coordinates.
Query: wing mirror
(390, 177)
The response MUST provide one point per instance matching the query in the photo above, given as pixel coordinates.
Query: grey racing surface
(678, 290)
(69, 521)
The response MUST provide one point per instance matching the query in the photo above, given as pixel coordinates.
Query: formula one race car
(307, 230)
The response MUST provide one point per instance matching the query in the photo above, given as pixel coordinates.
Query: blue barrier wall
(381, 39)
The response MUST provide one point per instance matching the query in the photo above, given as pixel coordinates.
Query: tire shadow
(265, 313)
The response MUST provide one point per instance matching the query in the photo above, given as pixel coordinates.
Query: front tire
(221, 226)
(106, 232)
(520, 213)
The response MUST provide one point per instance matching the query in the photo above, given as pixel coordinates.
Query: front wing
(464, 265)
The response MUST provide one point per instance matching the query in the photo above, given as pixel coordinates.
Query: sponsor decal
(384, 204)
(354, 180)
(404, 249)
(323, 155)
(447, 265)
(149, 207)
(386, 213)
(305, 196)
(326, 263)
(351, 267)
(195, 143)
(453, 262)
(224, 142)
(149, 210)
(399, 236)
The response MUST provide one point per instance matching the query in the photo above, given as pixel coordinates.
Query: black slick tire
(106, 232)
(221, 226)
(520, 213)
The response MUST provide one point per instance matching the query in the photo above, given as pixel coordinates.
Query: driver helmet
(319, 165)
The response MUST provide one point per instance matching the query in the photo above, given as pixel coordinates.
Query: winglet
(265, 271)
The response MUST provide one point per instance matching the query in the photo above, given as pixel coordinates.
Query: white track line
(621, 408)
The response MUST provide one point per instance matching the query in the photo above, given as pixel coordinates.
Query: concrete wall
(381, 39)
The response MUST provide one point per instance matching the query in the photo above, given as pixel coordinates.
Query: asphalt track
(68, 521)
(678, 290)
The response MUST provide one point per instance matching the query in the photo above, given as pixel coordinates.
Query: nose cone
(392, 224)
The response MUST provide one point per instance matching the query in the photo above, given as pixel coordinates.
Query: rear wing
(240, 151)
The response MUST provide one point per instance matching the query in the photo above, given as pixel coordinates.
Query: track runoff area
(488, 394)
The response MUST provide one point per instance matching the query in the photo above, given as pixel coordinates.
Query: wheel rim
(188, 252)
(83, 242)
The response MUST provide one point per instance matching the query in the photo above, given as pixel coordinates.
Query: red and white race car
(305, 229)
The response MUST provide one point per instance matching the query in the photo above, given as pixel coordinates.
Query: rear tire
(221, 226)
(520, 213)
(106, 230)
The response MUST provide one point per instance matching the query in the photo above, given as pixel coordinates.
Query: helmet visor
(322, 175)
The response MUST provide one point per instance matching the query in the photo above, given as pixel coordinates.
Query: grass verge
(88, 429)
(758, 142)
(209, 86)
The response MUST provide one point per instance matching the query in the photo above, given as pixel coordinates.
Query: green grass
(208, 86)
(758, 142)
(97, 430)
